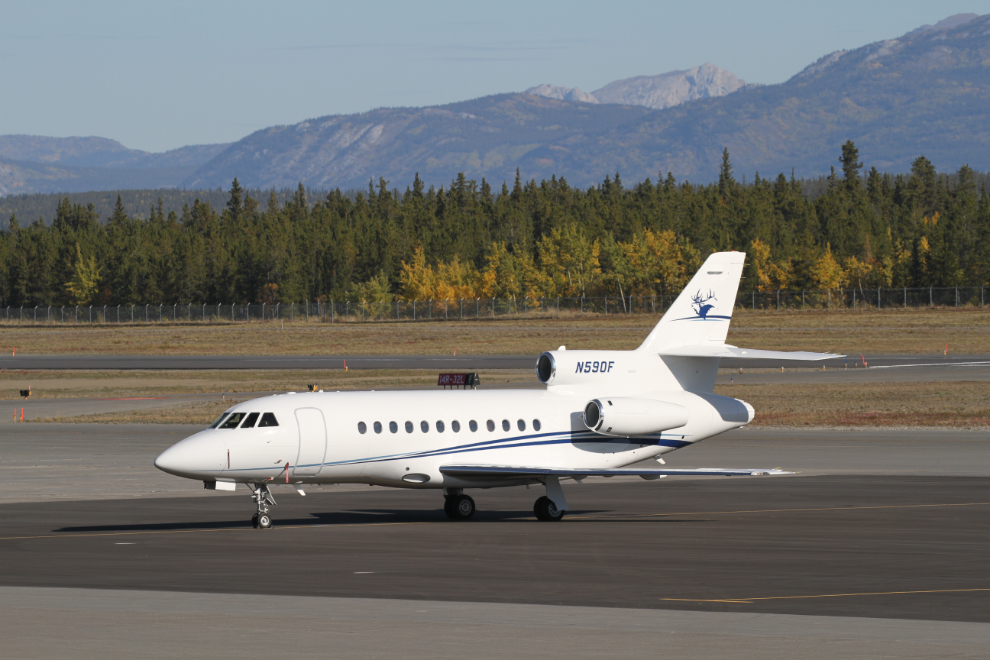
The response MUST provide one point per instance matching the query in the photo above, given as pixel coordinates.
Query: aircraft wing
(515, 471)
(727, 351)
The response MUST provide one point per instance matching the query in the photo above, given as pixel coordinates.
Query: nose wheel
(262, 498)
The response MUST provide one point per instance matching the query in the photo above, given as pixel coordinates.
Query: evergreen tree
(726, 183)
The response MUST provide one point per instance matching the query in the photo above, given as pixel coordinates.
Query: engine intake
(626, 416)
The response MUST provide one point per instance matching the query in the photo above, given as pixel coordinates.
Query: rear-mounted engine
(626, 416)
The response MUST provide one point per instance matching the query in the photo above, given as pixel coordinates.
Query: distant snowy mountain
(562, 93)
(657, 92)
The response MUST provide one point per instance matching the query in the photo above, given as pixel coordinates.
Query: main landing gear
(546, 510)
(262, 498)
(457, 505)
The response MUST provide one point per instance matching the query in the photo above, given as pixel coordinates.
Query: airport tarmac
(61, 462)
(430, 362)
(877, 548)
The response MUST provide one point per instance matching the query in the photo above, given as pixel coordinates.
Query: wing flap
(517, 471)
(727, 351)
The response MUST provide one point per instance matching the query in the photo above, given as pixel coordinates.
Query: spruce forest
(546, 239)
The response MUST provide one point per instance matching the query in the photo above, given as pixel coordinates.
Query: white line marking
(125, 544)
(364, 572)
(934, 364)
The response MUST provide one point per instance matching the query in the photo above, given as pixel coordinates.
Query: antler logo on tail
(701, 308)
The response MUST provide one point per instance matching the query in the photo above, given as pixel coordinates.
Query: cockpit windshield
(219, 419)
(233, 420)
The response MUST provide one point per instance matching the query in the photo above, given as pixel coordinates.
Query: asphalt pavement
(875, 548)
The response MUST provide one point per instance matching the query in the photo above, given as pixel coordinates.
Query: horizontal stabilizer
(727, 351)
(512, 471)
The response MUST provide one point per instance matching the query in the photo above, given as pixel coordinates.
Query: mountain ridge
(925, 92)
(661, 91)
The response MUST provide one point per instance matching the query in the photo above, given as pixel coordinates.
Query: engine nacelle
(626, 416)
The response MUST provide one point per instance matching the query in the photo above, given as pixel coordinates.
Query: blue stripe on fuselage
(565, 437)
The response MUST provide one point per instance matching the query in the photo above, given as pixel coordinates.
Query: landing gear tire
(459, 507)
(546, 510)
(262, 497)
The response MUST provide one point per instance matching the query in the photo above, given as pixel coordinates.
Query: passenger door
(312, 442)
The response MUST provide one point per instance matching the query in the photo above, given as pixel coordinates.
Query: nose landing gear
(262, 498)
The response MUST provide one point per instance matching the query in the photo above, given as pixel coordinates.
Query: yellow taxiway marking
(831, 508)
(865, 593)
(382, 524)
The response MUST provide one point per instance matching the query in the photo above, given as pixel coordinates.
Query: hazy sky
(160, 75)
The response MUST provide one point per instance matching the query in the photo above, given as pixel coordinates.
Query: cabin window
(439, 426)
(219, 419)
(362, 428)
(455, 426)
(505, 425)
(409, 427)
(536, 425)
(473, 425)
(521, 424)
(268, 419)
(249, 422)
(491, 425)
(378, 427)
(424, 426)
(393, 427)
(233, 421)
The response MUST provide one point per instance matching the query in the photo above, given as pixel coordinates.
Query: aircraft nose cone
(192, 457)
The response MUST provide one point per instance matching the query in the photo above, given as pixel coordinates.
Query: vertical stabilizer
(702, 312)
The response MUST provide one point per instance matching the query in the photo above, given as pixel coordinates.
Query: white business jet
(601, 412)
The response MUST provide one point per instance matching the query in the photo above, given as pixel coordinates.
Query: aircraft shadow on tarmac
(369, 517)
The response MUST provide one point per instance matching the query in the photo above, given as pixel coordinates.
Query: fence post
(477, 308)
(778, 300)
(878, 297)
(445, 303)
(582, 303)
(460, 308)
(930, 302)
(754, 299)
(414, 310)
(830, 299)
(957, 296)
(854, 298)
(493, 307)
(905, 297)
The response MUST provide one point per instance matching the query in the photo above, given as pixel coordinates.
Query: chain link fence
(483, 308)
